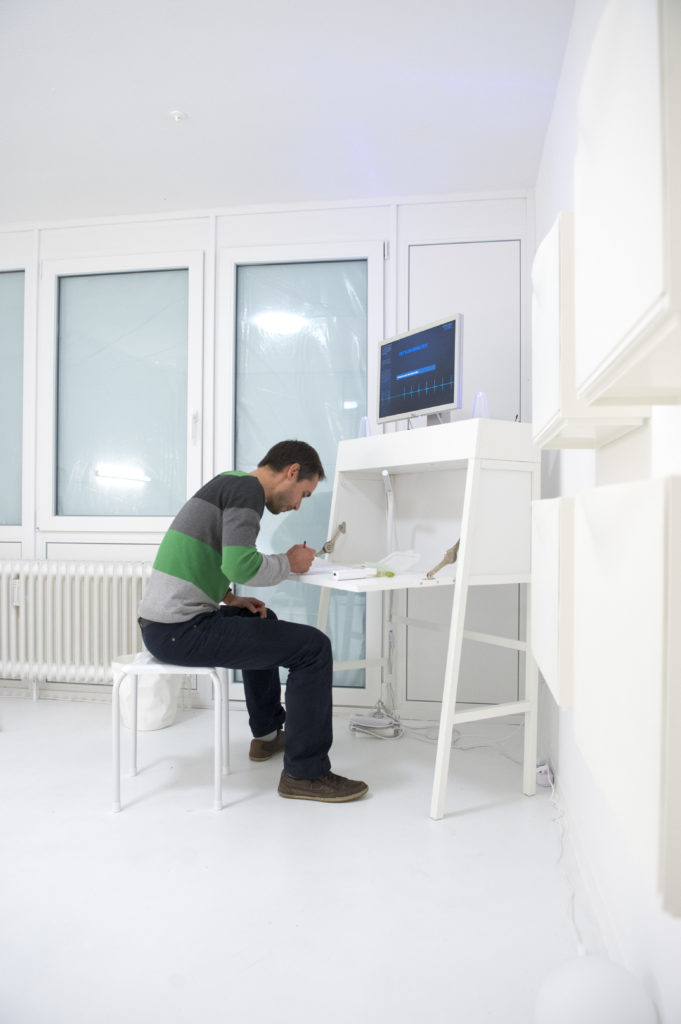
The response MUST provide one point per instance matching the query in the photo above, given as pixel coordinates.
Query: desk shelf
(376, 584)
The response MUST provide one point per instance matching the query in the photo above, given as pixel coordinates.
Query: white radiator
(66, 621)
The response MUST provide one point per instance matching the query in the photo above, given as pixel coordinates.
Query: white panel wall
(612, 881)
(155, 234)
(626, 640)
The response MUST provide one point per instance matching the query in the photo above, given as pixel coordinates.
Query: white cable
(421, 733)
(560, 819)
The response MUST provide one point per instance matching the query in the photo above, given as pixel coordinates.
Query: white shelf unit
(559, 418)
(472, 481)
(627, 204)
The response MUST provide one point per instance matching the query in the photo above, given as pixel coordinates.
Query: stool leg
(217, 768)
(224, 679)
(116, 735)
(133, 723)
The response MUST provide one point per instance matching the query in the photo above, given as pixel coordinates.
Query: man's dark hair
(285, 453)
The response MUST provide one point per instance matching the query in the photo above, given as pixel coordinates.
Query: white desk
(478, 479)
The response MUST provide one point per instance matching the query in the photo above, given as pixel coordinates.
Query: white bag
(157, 698)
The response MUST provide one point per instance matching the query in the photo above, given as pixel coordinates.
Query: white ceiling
(285, 101)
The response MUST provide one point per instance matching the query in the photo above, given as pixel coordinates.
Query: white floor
(270, 910)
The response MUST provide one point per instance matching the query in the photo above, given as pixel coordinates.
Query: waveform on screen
(426, 389)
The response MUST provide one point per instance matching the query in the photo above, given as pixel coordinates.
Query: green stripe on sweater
(189, 559)
(240, 564)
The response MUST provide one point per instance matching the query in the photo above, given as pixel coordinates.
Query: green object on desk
(379, 571)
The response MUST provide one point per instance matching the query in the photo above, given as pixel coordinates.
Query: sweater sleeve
(241, 560)
(248, 565)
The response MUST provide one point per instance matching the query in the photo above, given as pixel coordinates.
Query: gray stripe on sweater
(201, 520)
(240, 527)
(169, 599)
(274, 569)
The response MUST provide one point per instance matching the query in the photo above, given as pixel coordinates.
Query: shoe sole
(325, 799)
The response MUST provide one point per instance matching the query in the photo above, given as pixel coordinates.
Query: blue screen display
(417, 372)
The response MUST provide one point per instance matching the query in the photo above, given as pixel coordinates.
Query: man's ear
(293, 471)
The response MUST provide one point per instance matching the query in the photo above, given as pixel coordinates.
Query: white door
(482, 280)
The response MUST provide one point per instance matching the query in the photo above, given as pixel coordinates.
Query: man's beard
(276, 505)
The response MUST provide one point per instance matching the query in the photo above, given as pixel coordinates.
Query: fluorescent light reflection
(279, 323)
(121, 474)
(349, 405)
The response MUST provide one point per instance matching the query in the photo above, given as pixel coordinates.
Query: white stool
(144, 664)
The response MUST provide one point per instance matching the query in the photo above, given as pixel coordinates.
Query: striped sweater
(210, 544)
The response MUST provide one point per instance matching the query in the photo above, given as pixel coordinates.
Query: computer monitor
(420, 371)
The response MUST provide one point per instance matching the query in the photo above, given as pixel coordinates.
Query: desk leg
(444, 739)
(530, 733)
(453, 664)
(323, 611)
(531, 682)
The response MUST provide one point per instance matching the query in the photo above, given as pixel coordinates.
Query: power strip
(373, 721)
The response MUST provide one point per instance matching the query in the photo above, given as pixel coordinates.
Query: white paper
(350, 573)
(338, 572)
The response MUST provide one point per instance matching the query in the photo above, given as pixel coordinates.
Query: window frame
(51, 273)
(19, 533)
(229, 259)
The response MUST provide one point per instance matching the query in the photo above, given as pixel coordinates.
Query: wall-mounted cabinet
(559, 418)
(552, 613)
(627, 664)
(628, 208)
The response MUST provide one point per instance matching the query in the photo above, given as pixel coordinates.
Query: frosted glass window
(301, 372)
(122, 394)
(11, 386)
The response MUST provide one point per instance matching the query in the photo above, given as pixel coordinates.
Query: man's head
(289, 472)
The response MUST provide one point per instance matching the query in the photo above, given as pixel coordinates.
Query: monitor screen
(420, 371)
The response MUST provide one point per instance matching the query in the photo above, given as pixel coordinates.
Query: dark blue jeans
(235, 638)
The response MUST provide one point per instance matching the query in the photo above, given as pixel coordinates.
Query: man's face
(290, 492)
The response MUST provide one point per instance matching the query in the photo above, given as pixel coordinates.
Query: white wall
(212, 242)
(213, 238)
(636, 932)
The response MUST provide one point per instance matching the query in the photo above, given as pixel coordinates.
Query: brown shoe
(263, 750)
(330, 789)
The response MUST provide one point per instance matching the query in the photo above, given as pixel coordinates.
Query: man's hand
(300, 557)
(252, 604)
